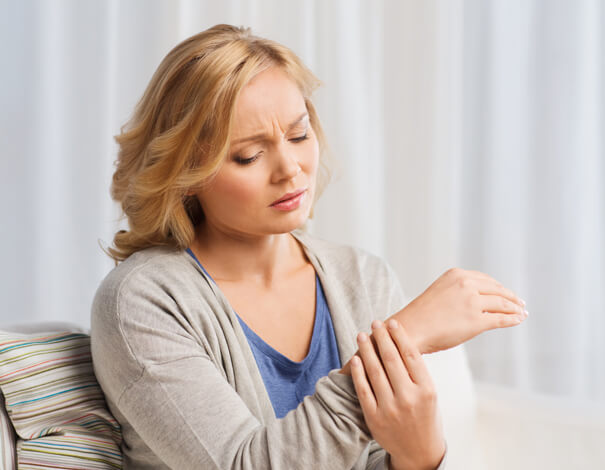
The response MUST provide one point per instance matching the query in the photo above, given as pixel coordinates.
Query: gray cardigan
(179, 376)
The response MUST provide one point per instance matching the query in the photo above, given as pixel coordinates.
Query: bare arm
(458, 306)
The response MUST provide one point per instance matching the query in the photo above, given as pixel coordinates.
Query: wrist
(408, 320)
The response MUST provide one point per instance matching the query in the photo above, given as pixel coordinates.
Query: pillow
(8, 459)
(55, 403)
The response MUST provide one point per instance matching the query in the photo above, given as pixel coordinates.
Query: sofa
(53, 412)
(54, 415)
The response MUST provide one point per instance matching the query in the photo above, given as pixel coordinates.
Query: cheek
(237, 190)
(229, 193)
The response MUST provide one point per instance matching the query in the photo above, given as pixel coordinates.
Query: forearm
(458, 306)
(403, 317)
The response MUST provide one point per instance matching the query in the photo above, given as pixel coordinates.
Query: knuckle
(419, 399)
(390, 410)
(464, 282)
(429, 393)
(410, 354)
(390, 356)
(373, 371)
(453, 272)
(406, 402)
(364, 394)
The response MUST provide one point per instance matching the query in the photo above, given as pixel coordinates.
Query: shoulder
(145, 313)
(152, 285)
(338, 259)
(362, 280)
(149, 270)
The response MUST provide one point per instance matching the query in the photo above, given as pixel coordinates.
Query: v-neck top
(178, 373)
(287, 381)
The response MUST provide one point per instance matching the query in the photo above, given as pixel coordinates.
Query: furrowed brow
(263, 135)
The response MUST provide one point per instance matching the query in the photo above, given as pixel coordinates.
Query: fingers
(362, 387)
(398, 370)
(374, 370)
(493, 288)
(488, 285)
(497, 304)
(391, 358)
(505, 309)
(410, 354)
(501, 320)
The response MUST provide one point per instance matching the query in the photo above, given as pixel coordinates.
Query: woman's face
(273, 154)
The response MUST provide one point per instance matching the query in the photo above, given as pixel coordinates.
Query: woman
(224, 337)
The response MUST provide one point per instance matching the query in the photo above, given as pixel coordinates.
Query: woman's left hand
(399, 401)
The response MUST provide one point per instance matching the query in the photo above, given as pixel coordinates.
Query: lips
(287, 196)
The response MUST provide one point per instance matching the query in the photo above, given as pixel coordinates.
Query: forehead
(271, 95)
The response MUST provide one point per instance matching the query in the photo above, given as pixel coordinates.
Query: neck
(262, 259)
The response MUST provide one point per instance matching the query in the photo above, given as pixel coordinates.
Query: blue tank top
(287, 381)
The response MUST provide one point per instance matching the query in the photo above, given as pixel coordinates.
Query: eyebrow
(262, 135)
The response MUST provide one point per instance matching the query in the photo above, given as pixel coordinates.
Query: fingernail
(362, 337)
(523, 302)
(355, 361)
(376, 324)
(392, 323)
(526, 313)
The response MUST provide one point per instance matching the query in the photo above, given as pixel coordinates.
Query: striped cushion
(7, 440)
(55, 403)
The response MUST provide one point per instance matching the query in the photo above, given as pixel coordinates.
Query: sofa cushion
(55, 404)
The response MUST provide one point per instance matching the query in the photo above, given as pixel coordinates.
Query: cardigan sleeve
(196, 420)
(171, 392)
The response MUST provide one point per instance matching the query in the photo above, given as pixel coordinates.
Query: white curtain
(468, 133)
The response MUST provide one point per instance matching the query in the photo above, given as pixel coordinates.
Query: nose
(286, 166)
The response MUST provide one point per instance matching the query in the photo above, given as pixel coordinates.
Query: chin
(286, 226)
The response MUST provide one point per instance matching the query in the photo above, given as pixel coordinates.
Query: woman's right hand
(398, 398)
(459, 305)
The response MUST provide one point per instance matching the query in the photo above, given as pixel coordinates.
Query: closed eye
(300, 139)
(247, 161)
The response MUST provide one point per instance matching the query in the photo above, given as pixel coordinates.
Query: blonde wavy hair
(179, 133)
